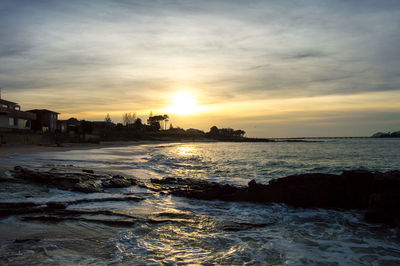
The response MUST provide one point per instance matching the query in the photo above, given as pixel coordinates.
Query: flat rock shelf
(375, 192)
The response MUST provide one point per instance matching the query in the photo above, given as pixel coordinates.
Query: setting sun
(184, 103)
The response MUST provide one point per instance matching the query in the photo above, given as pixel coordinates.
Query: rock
(17, 205)
(24, 240)
(252, 183)
(86, 182)
(88, 186)
(56, 205)
(88, 171)
(58, 219)
(240, 226)
(117, 181)
(125, 198)
(376, 192)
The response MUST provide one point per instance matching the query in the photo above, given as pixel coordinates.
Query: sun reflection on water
(186, 150)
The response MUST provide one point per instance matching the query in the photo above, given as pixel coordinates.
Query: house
(71, 125)
(11, 116)
(102, 124)
(46, 120)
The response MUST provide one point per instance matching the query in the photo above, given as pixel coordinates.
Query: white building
(11, 116)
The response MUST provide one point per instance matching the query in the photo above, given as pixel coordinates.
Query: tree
(138, 123)
(214, 131)
(128, 118)
(155, 126)
(154, 121)
(166, 119)
(239, 133)
(108, 119)
(226, 132)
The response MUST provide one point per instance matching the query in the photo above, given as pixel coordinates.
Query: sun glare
(184, 103)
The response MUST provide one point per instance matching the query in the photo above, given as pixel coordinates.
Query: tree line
(157, 122)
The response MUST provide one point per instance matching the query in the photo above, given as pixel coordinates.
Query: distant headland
(395, 134)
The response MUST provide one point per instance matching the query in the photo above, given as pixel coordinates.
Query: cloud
(226, 50)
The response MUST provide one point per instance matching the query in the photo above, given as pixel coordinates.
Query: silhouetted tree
(166, 119)
(128, 118)
(214, 131)
(155, 125)
(108, 118)
(138, 123)
(239, 133)
(225, 133)
(154, 121)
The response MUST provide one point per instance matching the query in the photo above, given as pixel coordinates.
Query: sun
(184, 103)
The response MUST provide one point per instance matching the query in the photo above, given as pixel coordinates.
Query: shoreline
(13, 149)
(9, 149)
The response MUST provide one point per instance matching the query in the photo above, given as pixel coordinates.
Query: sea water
(214, 232)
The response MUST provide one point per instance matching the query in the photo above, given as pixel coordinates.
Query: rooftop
(42, 111)
(7, 102)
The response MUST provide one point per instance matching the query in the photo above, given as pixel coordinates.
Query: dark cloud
(306, 54)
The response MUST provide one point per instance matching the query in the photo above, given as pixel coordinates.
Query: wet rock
(24, 240)
(58, 219)
(126, 198)
(18, 211)
(88, 186)
(88, 171)
(252, 184)
(377, 192)
(86, 182)
(16, 205)
(238, 226)
(117, 181)
(49, 178)
(57, 205)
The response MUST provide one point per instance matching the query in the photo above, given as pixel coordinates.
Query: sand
(9, 149)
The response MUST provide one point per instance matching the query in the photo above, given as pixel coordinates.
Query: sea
(208, 232)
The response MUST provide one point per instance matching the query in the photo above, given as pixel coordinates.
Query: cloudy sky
(272, 68)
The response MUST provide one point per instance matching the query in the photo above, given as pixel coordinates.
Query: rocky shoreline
(375, 192)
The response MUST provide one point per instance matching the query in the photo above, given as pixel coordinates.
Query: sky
(271, 68)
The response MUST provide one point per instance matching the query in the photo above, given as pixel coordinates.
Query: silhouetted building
(71, 125)
(102, 124)
(46, 120)
(62, 125)
(11, 116)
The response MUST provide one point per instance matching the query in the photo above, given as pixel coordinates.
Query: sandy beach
(9, 149)
(25, 148)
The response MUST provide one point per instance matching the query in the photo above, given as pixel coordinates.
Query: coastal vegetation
(132, 128)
